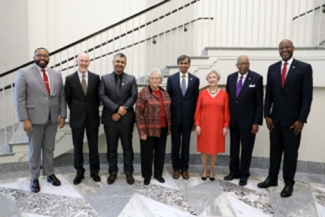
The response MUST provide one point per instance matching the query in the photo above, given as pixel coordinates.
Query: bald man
(245, 90)
(289, 93)
(81, 92)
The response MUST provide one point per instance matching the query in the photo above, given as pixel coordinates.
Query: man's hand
(198, 130)
(116, 117)
(297, 127)
(254, 129)
(61, 122)
(144, 137)
(122, 110)
(269, 124)
(28, 126)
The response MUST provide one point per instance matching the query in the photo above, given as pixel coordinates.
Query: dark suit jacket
(80, 105)
(247, 109)
(183, 108)
(112, 101)
(292, 102)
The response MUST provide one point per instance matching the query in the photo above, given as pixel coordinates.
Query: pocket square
(251, 85)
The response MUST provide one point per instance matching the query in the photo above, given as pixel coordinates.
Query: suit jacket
(112, 100)
(183, 107)
(31, 97)
(292, 102)
(82, 106)
(247, 109)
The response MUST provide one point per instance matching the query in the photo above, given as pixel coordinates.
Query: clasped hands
(297, 126)
(121, 112)
(224, 131)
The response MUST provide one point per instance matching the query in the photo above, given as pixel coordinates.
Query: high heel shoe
(204, 178)
(211, 178)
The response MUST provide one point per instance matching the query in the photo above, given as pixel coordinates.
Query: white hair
(215, 72)
(155, 70)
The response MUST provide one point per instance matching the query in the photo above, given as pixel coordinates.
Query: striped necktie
(84, 85)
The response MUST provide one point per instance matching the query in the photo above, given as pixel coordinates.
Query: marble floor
(193, 197)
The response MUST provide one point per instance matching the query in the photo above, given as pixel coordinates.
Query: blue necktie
(183, 85)
(239, 86)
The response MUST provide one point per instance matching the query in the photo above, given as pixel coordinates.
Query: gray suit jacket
(112, 100)
(31, 97)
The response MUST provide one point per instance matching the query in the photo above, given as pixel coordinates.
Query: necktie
(239, 86)
(118, 85)
(183, 85)
(84, 85)
(46, 81)
(283, 74)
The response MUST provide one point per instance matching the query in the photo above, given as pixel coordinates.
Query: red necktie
(283, 74)
(46, 81)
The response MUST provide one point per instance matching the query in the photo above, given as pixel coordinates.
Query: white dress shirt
(46, 72)
(181, 79)
(86, 77)
(243, 79)
(288, 65)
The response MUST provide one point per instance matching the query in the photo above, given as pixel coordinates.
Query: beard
(41, 63)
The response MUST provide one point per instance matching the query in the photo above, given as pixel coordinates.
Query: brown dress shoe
(176, 174)
(130, 179)
(185, 175)
(111, 179)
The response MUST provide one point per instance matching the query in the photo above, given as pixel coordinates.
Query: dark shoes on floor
(287, 191)
(129, 179)
(243, 181)
(146, 181)
(267, 183)
(53, 180)
(175, 174)
(185, 175)
(111, 179)
(160, 179)
(77, 180)
(231, 177)
(34, 186)
(96, 178)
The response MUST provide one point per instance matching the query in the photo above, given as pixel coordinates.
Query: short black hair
(119, 55)
(41, 48)
(183, 57)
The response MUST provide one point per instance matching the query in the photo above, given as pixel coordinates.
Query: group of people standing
(41, 99)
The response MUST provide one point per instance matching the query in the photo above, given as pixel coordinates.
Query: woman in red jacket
(153, 120)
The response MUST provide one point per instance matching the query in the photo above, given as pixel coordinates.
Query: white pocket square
(251, 85)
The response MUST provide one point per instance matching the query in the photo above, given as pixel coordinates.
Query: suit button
(236, 101)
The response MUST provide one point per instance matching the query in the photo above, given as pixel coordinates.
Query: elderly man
(40, 104)
(81, 93)
(289, 92)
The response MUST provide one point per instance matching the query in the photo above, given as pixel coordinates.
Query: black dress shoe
(204, 178)
(146, 181)
(231, 177)
(77, 179)
(96, 178)
(287, 191)
(34, 185)
(243, 181)
(160, 179)
(130, 179)
(267, 183)
(111, 179)
(211, 178)
(53, 180)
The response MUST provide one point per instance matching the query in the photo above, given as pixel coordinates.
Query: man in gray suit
(118, 92)
(40, 105)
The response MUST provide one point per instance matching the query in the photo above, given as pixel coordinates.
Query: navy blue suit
(245, 110)
(286, 105)
(182, 110)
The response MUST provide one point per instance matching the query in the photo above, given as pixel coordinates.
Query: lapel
(190, 82)
(246, 83)
(76, 79)
(37, 74)
(233, 85)
(278, 74)
(291, 72)
(178, 84)
(112, 84)
(90, 79)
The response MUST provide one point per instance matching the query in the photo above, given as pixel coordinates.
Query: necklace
(214, 92)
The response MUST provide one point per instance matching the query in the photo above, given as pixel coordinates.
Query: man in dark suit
(81, 93)
(288, 98)
(118, 92)
(245, 90)
(40, 104)
(183, 89)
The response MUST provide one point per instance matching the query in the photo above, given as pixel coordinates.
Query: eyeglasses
(152, 78)
(243, 64)
(42, 55)
(285, 47)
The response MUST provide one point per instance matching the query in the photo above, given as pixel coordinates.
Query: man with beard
(118, 92)
(81, 94)
(40, 105)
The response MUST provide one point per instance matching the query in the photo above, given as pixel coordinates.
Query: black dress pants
(153, 148)
(92, 138)
(113, 134)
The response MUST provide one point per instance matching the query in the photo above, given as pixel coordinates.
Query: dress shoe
(243, 181)
(78, 179)
(204, 178)
(176, 174)
(111, 179)
(185, 175)
(130, 179)
(231, 177)
(211, 178)
(96, 178)
(34, 185)
(267, 183)
(287, 191)
(53, 180)
(160, 179)
(146, 181)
